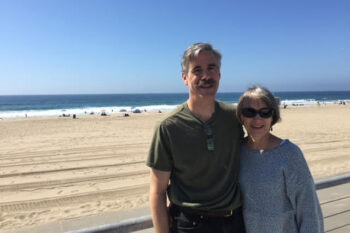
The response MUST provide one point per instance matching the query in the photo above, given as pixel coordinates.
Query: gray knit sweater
(278, 191)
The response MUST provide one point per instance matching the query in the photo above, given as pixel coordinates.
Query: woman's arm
(302, 194)
(308, 211)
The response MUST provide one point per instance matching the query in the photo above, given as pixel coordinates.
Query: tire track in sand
(102, 195)
(56, 183)
(69, 169)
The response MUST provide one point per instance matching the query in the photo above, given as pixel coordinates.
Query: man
(194, 155)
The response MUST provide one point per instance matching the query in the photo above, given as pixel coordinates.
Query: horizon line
(156, 93)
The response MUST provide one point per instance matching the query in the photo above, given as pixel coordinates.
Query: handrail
(332, 181)
(128, 225)
(145, 222)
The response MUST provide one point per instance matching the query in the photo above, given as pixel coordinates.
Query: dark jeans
(184, 222)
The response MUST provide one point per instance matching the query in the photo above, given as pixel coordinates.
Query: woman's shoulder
(294, 160)
(290, 149)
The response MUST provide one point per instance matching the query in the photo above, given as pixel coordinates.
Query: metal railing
(128, 225)
(145, 222)
(332, 181)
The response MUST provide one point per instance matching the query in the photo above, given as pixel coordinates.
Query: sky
(135, 46)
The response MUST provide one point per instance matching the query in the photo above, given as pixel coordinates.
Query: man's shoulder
(173, 116)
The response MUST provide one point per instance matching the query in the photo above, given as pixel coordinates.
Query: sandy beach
(63, 168)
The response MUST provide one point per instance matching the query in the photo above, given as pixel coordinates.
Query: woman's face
(257, 127)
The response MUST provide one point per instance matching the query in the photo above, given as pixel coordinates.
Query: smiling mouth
(257, 127)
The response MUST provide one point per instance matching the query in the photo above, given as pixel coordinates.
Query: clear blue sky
(135, 46)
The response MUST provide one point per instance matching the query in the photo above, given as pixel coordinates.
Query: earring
(271, 128)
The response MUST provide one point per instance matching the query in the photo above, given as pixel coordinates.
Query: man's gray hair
(194, 50)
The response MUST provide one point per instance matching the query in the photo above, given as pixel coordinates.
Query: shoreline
(82, 111)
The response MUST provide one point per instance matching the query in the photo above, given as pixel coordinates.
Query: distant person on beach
(278, 191)
(194, 155)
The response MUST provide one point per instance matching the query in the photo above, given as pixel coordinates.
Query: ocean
(16, 106)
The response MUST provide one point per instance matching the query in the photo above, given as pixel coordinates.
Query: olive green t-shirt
(201, 178)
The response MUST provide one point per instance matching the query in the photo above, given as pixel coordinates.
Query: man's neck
(203, 108)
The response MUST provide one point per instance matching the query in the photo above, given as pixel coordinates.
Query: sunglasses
(210, 140)
(263, 112)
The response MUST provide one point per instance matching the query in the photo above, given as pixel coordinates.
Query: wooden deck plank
(332, 208)
(345, 229)
(335, 204)
(338, 222)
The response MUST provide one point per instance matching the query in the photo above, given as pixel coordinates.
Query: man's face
(203, 75)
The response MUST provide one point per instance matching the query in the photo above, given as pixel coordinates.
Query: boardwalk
(335, 202)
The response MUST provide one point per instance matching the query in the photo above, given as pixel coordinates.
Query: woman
(278, 191)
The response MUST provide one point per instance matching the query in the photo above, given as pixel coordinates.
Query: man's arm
(158, 200)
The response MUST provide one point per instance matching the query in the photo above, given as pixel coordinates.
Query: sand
(62, 168)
